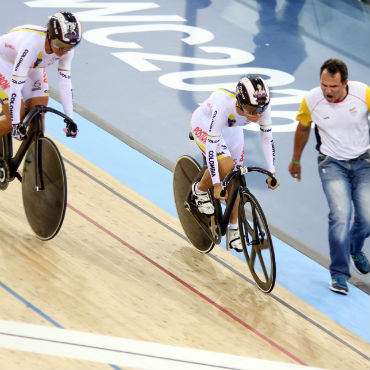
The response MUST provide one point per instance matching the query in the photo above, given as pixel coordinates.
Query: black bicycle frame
(35, 133)
(238, 183)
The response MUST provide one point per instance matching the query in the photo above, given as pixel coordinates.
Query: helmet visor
(61, 46)
(253, 110)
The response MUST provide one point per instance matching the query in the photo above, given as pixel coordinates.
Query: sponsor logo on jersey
(18, 82)
(36, 85)
(200, 134)
(4, 84)
(9, 46)
(21, 59)
(64, 75)
(213, 141)
(11, 104)
(213, 120)
(38, 60)
(44, 76)
(211, 161)
(241, 159)
(231, 120)
(265, 129)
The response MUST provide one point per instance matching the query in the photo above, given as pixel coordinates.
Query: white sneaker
(234, 240)
(203, 202)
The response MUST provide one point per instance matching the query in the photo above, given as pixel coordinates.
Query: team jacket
(24, 48)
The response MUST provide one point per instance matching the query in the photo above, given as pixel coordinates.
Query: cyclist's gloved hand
(71, 128)
(19, 132)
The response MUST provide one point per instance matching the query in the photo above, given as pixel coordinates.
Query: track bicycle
(44, 182)
(204, 232)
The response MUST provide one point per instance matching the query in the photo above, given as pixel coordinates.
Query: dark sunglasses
(252, 110)
(61, 46)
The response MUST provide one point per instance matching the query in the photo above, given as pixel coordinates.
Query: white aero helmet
(64, 29)
(252, 91)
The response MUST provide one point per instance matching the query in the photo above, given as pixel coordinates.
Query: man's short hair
(334, 66)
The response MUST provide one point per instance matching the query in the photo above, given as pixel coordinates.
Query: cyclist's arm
(211, 157)
(65, 83)
(267, 141)
(21, 68)
(213, 138)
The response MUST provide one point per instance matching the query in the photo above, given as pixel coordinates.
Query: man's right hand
(217, 188)
(18, 131)
(295, 170)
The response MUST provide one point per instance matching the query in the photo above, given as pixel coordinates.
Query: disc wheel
(45, 208)
(257, 243)
(186, 171)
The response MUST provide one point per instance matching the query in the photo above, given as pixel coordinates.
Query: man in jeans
(339, 109)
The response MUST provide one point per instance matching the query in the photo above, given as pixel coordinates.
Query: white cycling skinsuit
(217, 130)
(23, 59)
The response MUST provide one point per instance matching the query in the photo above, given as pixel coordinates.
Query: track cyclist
(217, 129)
(25, 51)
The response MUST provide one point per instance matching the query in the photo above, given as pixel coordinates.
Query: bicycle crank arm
(215, 230)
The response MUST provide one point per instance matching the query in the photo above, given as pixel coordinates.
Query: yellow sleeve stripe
(304, 114)
(228, 92)
(15, 76)
(28, 30)
(368, 97)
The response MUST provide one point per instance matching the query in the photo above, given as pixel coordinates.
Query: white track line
(123, 352)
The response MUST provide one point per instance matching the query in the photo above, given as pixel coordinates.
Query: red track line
(194, 290)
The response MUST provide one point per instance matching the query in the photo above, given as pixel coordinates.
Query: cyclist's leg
(200, 189)
(36, 90)
(225, 165)
(234, 139)
(5, 78)
(5, 121)
(199, 126)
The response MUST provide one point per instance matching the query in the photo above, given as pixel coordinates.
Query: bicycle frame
(35, 133)
(221, 219)
(224, 217)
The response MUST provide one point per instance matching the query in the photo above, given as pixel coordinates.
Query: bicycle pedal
(260, 246)
(214, 227)
(187, 206)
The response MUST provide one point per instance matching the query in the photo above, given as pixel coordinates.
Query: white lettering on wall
(142, 61)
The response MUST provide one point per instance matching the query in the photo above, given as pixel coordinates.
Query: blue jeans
(346, 185)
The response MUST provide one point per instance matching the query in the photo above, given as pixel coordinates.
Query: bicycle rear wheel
(257, 243)
(186, 171)
(45, 209)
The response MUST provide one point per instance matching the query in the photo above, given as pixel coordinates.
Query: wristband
(296, 162)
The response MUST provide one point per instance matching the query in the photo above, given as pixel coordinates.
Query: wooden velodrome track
(121, 266)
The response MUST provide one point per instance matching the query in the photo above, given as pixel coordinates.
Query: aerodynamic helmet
(253, 92)
(64, 29)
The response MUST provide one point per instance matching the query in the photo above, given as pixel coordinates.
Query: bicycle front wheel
(257, 243)
(45, 208)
